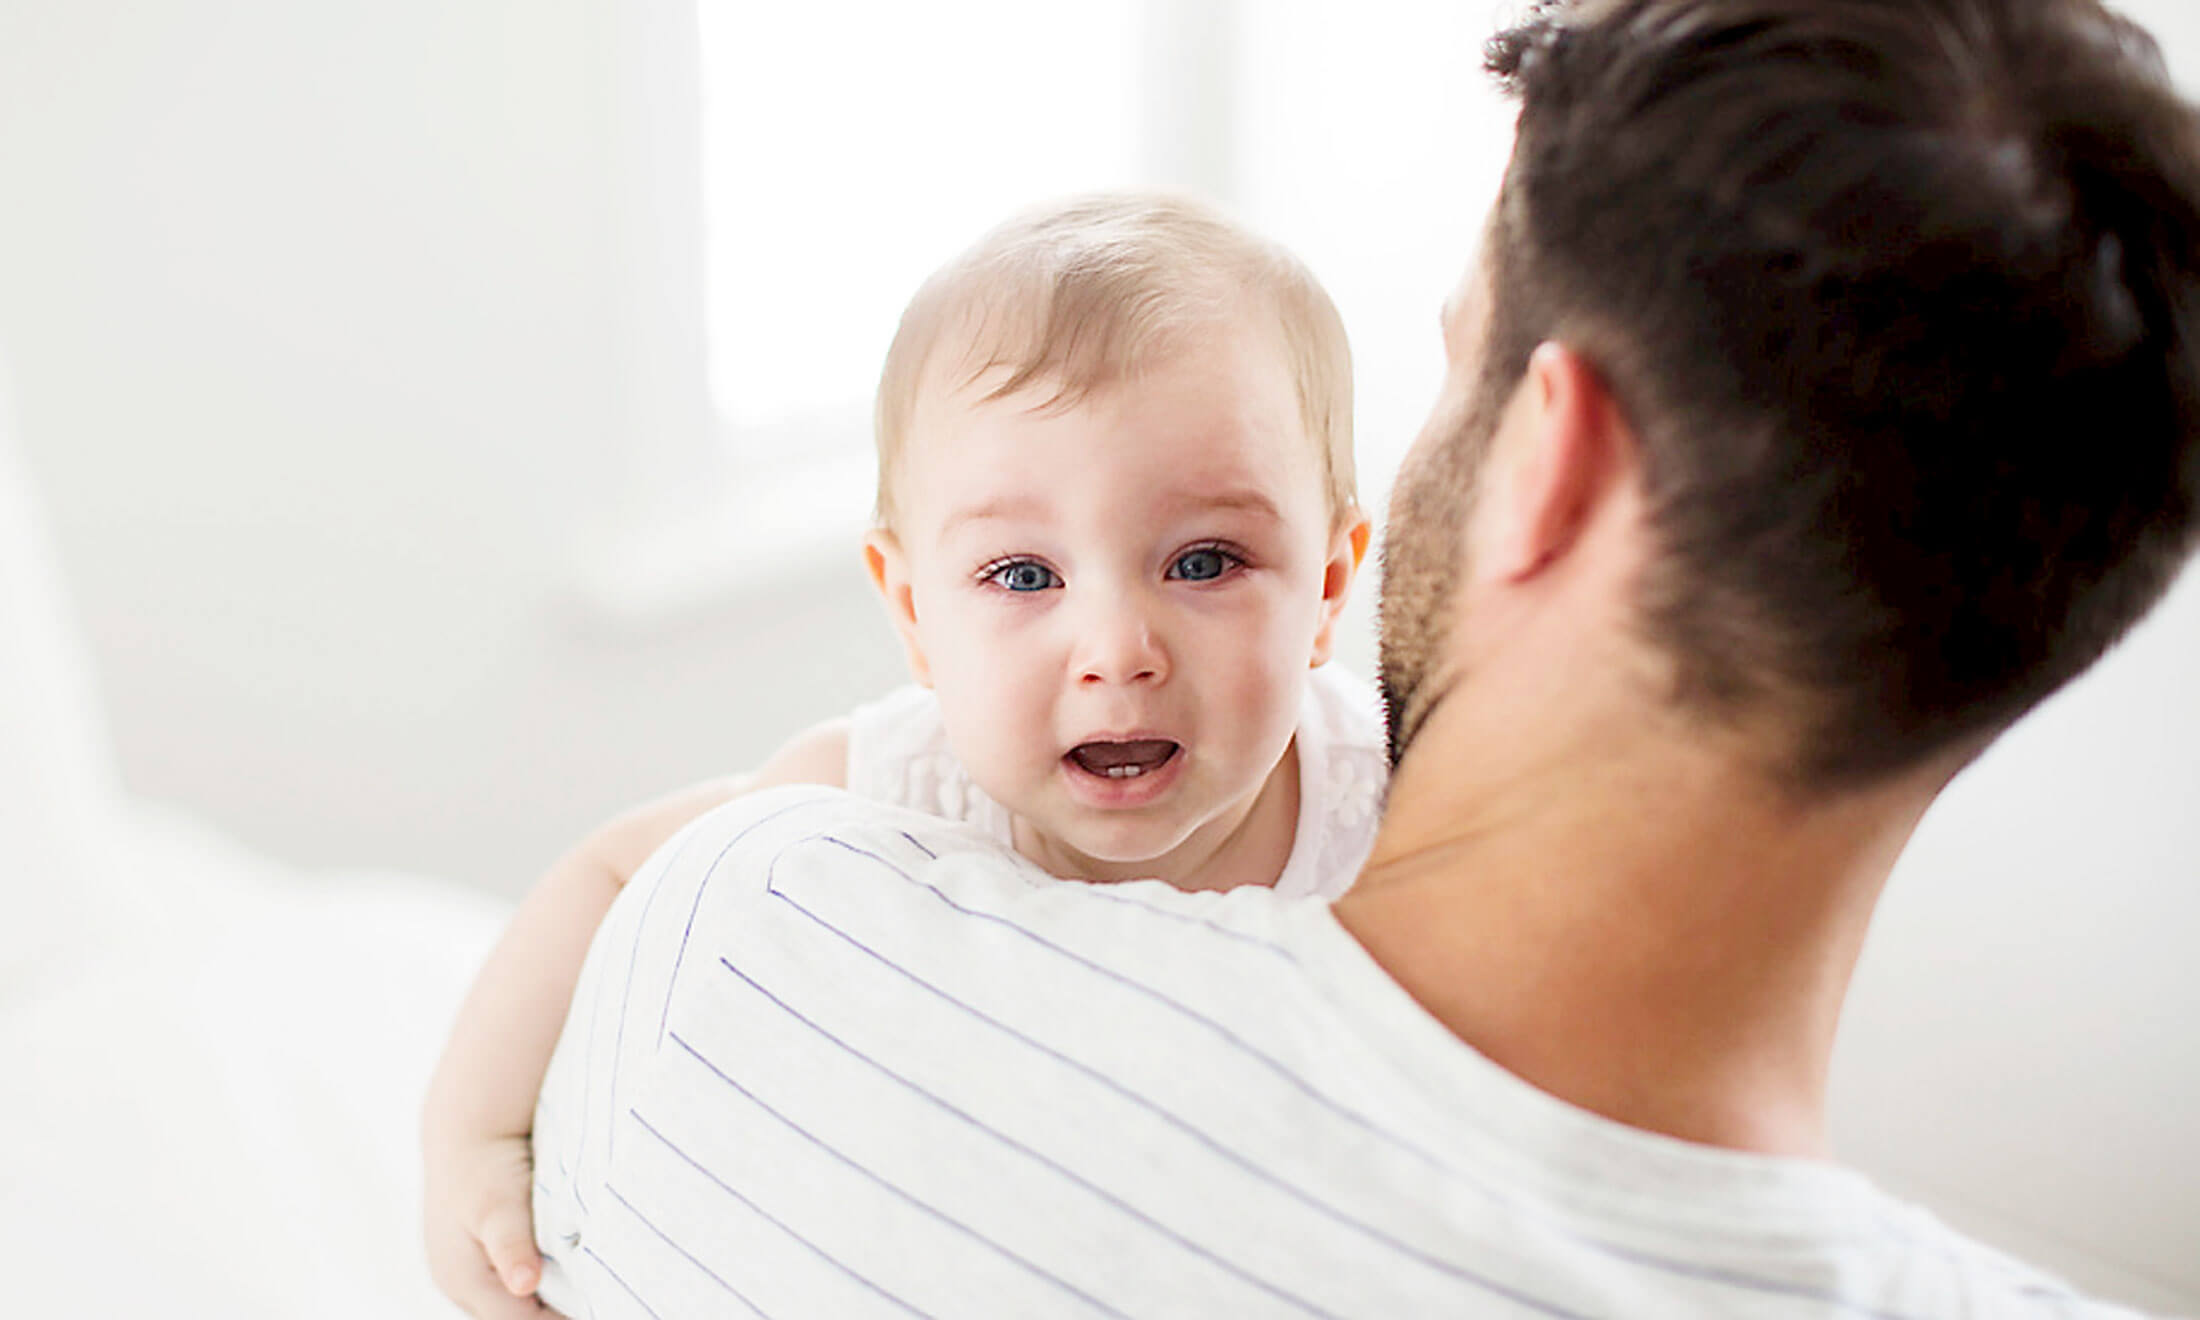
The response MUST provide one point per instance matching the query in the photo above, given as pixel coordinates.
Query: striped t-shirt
(833, 1059)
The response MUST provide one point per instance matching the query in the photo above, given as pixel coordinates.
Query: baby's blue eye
(1024, 575)
(1200, 565)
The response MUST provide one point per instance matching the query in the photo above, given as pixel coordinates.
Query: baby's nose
(1122, 649)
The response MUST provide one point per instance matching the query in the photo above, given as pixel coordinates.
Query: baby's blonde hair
(1080, 294)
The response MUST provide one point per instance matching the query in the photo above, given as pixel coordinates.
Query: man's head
(1895, 301)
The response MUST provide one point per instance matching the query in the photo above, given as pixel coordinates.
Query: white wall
(323, 326)
(2020, 1046)
(315, 317)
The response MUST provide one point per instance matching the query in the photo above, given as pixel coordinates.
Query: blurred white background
(452, 417)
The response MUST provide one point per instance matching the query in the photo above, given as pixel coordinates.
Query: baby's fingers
(462, 1270)
(488, 1302)
(508, 1238)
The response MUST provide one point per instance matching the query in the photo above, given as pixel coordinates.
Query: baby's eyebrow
(1244, 499)
(1004, 507)
(1247, 500)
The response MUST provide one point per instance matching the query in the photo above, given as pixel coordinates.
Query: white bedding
(209, 1111)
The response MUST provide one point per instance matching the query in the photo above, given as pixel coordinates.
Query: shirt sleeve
(663, 938)
(613, 1033)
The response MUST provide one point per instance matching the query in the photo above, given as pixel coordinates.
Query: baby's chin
(1140, 845)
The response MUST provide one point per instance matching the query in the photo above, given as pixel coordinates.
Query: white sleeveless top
(898, 754)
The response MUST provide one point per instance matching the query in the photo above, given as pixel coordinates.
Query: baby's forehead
(1147, 447)
(1182, 378)
(1222, 379)
(1011, 340)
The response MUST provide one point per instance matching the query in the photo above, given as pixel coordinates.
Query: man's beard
(1423, 563)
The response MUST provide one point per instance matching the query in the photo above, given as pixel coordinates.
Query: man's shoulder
(801, 836)
(797, 808)
(730, 858)
(1983, 1279)
(759, 826)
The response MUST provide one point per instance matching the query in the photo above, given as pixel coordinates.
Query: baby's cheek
(983, 740)
(967, 654)
(1263, 691)
(987, 702)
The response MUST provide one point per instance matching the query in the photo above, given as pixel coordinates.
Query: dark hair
(1899, 296)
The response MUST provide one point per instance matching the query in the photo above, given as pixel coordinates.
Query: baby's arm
(481, 1101)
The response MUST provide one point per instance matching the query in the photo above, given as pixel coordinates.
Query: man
(1822, 400)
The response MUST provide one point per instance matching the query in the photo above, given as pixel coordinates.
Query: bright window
(851, 149)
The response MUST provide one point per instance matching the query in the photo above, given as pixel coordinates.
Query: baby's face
(1117, 601)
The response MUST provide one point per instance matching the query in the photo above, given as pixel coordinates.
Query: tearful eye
(1200, 565)
(1025, 575)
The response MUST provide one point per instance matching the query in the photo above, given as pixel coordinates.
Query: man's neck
(1646, 933)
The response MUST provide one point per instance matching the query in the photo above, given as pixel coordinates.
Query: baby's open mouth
(1123, 760)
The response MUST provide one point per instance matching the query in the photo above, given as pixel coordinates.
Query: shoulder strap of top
(1342, 771)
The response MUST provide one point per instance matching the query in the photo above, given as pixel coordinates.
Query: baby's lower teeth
(1125, 771)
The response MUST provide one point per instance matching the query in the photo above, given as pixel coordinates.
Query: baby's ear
(882, 554)
(1346, 551)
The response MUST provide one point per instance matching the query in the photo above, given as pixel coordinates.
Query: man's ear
(1346, 551)
(882, 554)
(1570, 444)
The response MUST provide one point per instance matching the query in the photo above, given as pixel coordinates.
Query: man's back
(830, 1059)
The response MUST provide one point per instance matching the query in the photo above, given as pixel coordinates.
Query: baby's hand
(481, 1229)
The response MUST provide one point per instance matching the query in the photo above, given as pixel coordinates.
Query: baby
(1116, 526)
